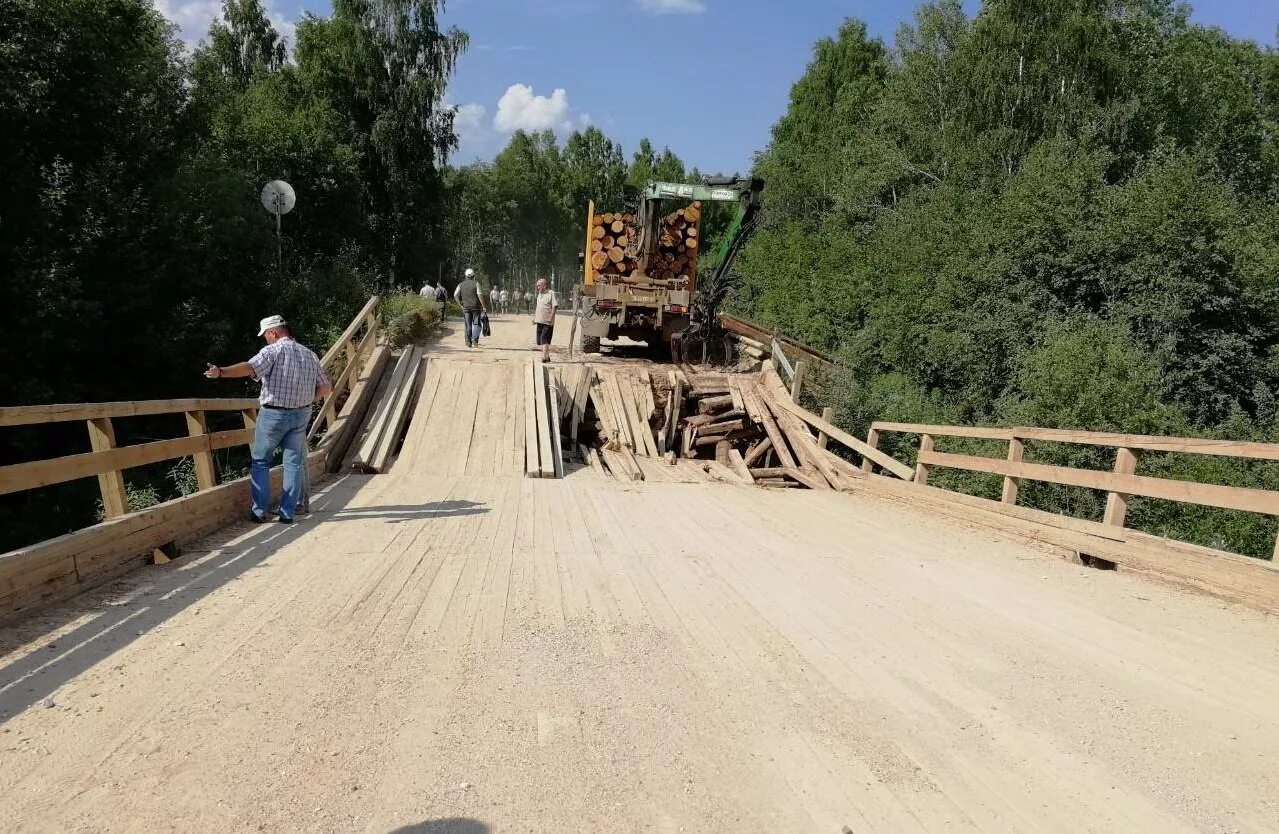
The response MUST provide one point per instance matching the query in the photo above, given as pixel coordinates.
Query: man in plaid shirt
(291, 379)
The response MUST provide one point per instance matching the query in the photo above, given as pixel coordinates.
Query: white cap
(269, 322)
(470, 273)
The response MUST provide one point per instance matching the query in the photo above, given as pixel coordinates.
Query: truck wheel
(590, 344)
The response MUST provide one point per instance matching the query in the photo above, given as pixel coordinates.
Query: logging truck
(639, 268)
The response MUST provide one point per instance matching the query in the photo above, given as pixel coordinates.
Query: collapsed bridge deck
(453, 646)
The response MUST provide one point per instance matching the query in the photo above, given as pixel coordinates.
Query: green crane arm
(726, 191)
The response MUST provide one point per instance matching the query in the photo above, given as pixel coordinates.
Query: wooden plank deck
(455, 647)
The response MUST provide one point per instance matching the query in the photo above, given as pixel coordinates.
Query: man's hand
(213, 372)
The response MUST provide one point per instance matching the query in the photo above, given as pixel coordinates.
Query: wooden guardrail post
(797, 383)
(1011, 484)
(823, 439)
(1117, 502)
(115, 501)
(206, 477)
(921, 471)
(872, 440)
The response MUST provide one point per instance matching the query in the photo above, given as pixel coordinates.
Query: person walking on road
(468, 294)
(544, 311)
(493, 297)
(528, 301)
(291, 379)
(504, 301)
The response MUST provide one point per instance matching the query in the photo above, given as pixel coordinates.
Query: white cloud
(520, 108)
(672, 6)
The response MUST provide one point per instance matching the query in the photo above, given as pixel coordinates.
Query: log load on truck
(639, 268)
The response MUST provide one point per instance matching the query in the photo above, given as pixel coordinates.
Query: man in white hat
(471, 297)
(291, 379)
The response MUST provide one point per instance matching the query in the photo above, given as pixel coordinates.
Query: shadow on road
(452, 825)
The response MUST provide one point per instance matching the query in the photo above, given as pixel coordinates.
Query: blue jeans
(472, 324)
(278, 428)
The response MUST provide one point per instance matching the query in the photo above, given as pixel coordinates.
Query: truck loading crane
(640, 267)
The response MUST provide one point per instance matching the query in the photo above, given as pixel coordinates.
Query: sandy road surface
(473, 651)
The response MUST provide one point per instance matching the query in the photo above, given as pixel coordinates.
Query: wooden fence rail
(1120, 484)
(108, 461)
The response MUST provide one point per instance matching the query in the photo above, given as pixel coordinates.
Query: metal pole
(279, 244)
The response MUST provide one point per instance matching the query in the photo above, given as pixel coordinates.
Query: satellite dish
(278, 197)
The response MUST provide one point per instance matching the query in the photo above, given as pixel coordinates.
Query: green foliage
(1053, 213)
(409, 318)
(133, 243)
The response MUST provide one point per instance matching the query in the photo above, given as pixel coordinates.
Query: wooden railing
(343, 362)
(1120, 484)
(108, 461)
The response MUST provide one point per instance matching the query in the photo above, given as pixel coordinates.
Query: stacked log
(611, 234)
(679, 238)
(613, 239)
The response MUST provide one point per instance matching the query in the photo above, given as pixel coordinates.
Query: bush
(408, 318)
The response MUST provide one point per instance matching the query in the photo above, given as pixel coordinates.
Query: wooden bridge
(454, 646)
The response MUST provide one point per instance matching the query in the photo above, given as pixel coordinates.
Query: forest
(1049, 213)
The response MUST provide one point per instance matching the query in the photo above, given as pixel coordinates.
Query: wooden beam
(1011, 485)
(1114, 440)
(1212, 495)
(872, 440)
(206, 476)
(823, 439)
(921, 470)
(557, 450)
(546, 465)
(797, 383)
(757, 451)
(115, 501)
(979, 432)
(26, 415)
(532, 464)
(344, 381)
(896, 467)
(22, 476)
(773, 431)
(1117, 502)
(337, 440)
(361, 320)
(738, 465)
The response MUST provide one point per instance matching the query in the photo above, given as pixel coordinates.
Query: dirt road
(466, 650)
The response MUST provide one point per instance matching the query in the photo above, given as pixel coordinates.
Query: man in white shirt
(504, 301)
(544, 310)
(494, 294)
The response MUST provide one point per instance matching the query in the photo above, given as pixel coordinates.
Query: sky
(706, 78)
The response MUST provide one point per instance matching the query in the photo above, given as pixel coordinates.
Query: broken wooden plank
(532, 454)
(546, 465)
(755, 452)
(557, 450)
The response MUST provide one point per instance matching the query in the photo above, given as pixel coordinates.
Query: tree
(383, 65)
